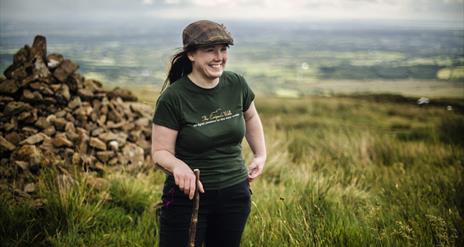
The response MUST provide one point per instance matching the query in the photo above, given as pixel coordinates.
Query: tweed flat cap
(204, 32)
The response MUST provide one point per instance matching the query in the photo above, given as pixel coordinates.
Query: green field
(275, 59)
(341, 171)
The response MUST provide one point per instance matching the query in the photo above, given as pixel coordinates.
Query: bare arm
(255, 138)
(163, 142)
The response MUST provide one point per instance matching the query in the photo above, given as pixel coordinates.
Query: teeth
(215, 65)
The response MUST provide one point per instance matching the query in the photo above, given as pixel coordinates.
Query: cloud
(447, 10)
(147, 2)
(451, 10)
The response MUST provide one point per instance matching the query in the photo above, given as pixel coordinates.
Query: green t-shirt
(210, 127)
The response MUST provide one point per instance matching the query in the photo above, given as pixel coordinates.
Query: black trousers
(221, 217)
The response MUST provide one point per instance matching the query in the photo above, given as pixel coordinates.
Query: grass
(346, 171)
(77, 213)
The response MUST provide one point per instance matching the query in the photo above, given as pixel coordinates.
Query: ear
(191, 56)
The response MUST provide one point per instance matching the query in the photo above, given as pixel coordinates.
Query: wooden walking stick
(196, 206)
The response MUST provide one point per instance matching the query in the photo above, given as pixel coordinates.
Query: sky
(292, 10)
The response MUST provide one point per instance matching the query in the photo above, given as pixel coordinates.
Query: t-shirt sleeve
(166, 114)
(247, 94)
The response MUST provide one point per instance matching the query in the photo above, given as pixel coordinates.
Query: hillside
(351, 170)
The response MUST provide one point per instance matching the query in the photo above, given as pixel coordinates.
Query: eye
(208, 49)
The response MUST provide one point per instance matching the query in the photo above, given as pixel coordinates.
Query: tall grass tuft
(76, 213)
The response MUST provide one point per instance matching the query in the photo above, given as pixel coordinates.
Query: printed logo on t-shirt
(216, 116)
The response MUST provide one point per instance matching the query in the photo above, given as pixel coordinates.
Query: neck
(201, 81)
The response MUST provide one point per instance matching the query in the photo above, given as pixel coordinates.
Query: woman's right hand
(163, 153)
(185, 179)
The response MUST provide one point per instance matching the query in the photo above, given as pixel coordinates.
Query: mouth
(216, 66)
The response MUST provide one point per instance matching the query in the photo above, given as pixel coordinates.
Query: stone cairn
(50, 115)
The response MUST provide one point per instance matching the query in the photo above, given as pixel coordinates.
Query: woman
(199, 123)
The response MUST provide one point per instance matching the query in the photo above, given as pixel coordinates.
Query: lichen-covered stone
(61, 140)
(65, 69)
(8, 87)
(6, 145)
(97, 143)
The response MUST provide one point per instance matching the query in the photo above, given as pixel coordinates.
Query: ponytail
(180, 66)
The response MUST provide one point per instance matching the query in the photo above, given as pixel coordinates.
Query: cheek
(224, 59)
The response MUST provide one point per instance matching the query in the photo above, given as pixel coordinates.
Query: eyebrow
(212, 46)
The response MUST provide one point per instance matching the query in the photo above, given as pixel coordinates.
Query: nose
(218, 55)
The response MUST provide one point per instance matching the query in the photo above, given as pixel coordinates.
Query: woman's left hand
(255, 168)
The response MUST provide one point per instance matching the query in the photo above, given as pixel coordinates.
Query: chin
(216, 74)
(220, 73)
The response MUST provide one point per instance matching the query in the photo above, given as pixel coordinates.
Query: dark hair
(180, 66)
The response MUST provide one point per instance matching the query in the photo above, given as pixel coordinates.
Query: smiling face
(209, 61)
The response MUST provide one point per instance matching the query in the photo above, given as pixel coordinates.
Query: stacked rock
(51, 114)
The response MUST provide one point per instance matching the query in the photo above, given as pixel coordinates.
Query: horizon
(296, 11)
(12, 32)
